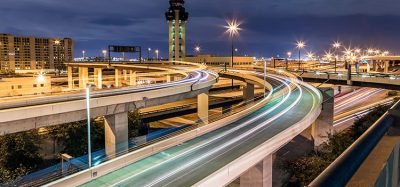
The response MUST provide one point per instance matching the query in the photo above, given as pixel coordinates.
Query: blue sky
(270, 27)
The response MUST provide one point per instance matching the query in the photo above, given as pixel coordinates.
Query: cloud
(270, 27)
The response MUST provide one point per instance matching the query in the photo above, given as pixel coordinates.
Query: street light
(385, 53)
(148, 53)
(157, 52)
(289, 55)
(300, 45)
(370, 51)
(310, 56)
(83, 55)
(40, 78)
(233, 30)
(88, 126)
(336, 45)
(104, 54)
(197, 49)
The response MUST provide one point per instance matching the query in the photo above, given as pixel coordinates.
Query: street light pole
(233, 30)
(299, 60)
(148, 54)
(265, 76)
(88, 126)
(232, 52)
(300, 45)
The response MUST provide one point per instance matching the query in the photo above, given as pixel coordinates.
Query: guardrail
(343, 168)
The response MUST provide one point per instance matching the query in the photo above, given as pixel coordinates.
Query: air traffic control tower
(177, 17)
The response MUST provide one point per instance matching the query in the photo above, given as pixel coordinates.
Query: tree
(73, 136)
(305, 169)
(135, 125)
(19, 154)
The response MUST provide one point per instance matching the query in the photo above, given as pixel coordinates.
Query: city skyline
(270, 29)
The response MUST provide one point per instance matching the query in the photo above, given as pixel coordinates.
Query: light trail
(214, 138)
(214, 146)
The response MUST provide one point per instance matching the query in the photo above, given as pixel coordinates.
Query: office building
(22, 53)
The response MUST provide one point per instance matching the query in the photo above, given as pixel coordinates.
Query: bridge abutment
(116, 133)
(259, 175)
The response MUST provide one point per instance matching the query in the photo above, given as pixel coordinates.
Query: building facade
(30, 53)
(211, 60)
(20, 86)
(177, 17)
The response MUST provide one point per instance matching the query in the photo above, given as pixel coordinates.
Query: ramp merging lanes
(195, 162)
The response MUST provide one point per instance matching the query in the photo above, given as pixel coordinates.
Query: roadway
(41, 111)
(196, 160)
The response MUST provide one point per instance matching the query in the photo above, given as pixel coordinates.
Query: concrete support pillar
(395, 164)
(323, 126)
(386, 68)
(259, 175)
(170, 78)
(117, 78)
(132, 78)
(83, 77)
(98, 78)
(70, 77)
(248, 91)
(376, 65)
(125, 73)
(349, 80)
(116, 133)
(202, 107)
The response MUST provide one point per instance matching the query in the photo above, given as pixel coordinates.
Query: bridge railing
(345, 166)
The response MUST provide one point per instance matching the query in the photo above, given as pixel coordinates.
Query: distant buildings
(18, 86)
(21, 53)
(220, 60)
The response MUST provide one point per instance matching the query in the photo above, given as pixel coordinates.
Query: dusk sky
(270, 27)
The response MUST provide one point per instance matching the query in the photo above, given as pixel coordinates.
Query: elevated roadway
(218, 153)
(42, 111)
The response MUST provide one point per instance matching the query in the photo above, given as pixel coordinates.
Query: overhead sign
(124, 49)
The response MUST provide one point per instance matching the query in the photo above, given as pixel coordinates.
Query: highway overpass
(114, 105)
(215, 154)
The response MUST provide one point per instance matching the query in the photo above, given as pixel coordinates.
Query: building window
(34, 85)
(19, 86)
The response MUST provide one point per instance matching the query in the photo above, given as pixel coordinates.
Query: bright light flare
(328, 55)
(310, 55)
(300, 44)
(336, 45)
(233, 27)
(41, 78)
